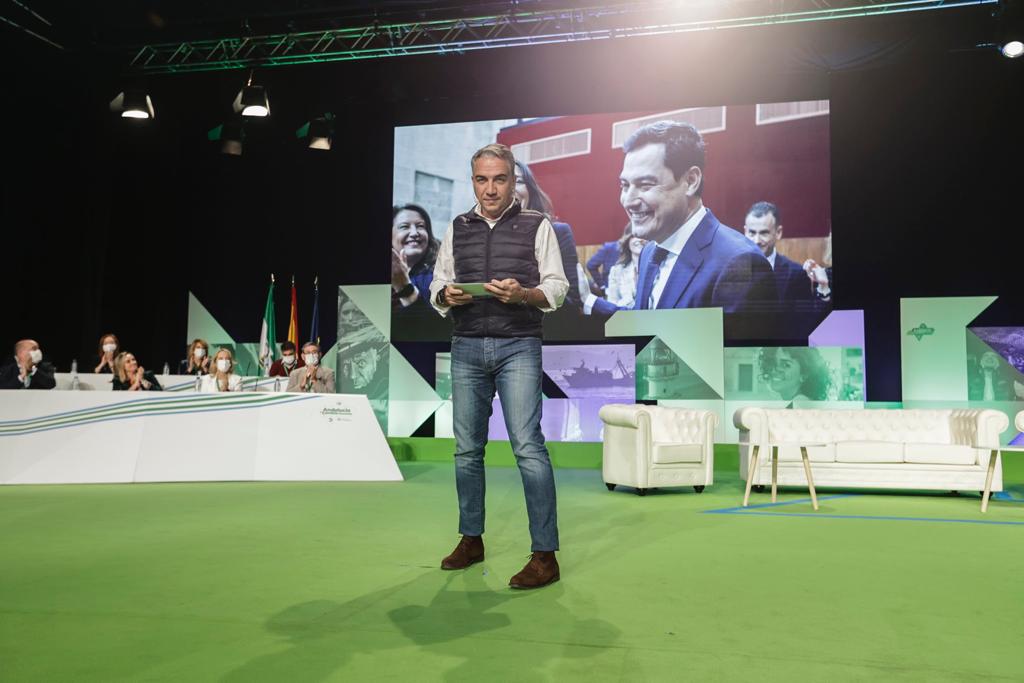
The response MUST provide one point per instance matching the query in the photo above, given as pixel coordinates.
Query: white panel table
(77, 437)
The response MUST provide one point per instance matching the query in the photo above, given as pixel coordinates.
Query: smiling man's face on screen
(655, 201)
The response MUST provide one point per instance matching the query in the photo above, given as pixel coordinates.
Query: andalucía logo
(921, 331)
(338, 413)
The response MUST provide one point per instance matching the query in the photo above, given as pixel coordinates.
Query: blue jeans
(481, 365)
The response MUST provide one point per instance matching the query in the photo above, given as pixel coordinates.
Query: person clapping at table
(27, 370)
(222, 375)
(313, 378)
(130, 376)
(198, 360)
(109, 347)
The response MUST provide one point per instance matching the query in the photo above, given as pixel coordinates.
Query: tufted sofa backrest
(836, 426)
(671, 425)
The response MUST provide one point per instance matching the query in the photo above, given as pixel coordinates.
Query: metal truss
(508, 29)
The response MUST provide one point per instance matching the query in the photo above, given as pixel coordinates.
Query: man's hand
(311, 372)
(816, 273)
(507, 291)
(453, 296)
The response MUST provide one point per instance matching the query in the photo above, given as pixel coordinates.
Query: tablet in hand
(475, 289)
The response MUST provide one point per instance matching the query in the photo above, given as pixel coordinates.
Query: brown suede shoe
(470, 550)
(541, 570)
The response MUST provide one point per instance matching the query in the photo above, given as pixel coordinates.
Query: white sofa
(651, 446)
(887, 449)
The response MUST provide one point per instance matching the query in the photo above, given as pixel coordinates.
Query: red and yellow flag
(293, 324)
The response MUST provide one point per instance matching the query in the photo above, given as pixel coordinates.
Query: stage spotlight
(252, 100)
(133, 104)
(319, 132)
(231, 136)
(1012, 49)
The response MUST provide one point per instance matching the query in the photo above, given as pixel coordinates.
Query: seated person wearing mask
(283, 366)
(108, 350)
(197, 362)
(222, 376)
(27, 370)
(313, 378)
(130, 376)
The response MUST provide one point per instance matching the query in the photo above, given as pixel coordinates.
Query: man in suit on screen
(763, 227)
(691, 259)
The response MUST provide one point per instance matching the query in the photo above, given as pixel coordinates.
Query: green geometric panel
(410, 399)
(661, 374)
(375, 303)
(202, 325)
(934, 346)
(694, 335)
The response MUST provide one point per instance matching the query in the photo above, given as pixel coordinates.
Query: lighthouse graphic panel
(662, 375)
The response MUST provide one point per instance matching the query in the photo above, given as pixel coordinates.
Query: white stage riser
(78, 437)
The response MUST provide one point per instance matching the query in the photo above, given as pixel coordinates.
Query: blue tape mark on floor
(765, 510)
(760, 506)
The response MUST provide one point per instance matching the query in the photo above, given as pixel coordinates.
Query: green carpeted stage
(339, 582)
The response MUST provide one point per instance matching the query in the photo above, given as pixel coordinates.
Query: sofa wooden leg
(611, 487)
(641, 492)
(751, 473)
(699, 488)
(810, 480)
(988, 481)
(775, 473)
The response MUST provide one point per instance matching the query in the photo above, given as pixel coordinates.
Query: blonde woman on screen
(222, 375)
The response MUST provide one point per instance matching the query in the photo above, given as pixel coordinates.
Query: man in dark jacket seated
(27, 370)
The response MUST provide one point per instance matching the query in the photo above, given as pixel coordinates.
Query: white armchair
(1018, 422)
(651, 446)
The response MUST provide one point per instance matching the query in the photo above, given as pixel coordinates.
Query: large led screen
(721, 206)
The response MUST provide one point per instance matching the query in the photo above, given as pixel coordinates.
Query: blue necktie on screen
(651, 274)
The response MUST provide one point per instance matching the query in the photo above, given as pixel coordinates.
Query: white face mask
(288, 360)
(311, 358)
(109, 348)
(223, 364)
(35, 355)
(199, 352)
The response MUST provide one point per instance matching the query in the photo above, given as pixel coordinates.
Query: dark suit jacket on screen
(718, 268)
(791, 280)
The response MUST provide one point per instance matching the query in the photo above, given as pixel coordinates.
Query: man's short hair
(761, 208)
(287, 345)
(684, 146)
(311, 343)
(498, 150)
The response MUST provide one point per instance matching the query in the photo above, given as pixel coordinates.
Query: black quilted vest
(483, 253)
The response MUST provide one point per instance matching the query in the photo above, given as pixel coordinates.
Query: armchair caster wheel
(611, 487)
(699, 489)
(759, 488)
(641, 492)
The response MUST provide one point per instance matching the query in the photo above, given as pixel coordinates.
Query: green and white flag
(268, 342)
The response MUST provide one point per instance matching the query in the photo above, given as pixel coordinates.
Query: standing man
(691, 259)
(28, 370)
(496, 345)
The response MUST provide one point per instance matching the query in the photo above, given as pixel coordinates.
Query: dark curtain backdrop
(107, 227)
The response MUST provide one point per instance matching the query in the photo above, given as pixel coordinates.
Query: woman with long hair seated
(130, 376)
(622, 276)
(413, 253)
(222, 375)
(532, 197)
(197, 360)
(109, 347)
